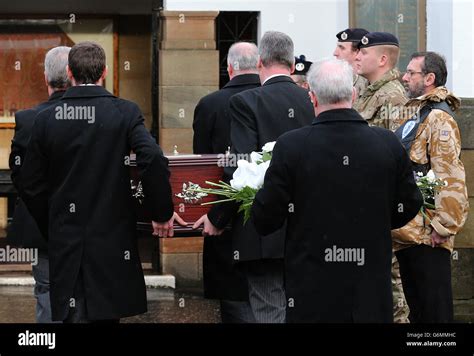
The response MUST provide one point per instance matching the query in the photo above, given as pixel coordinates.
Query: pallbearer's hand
(165, 229)
(209, 229)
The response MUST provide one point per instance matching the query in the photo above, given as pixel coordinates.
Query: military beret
(378, 39)
(301, 65)
(351, 35)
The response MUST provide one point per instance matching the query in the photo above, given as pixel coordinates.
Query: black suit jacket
(23, 231)
(211, 124)
(222, 279)
(76, 184)
(259, 116)
(349, 184)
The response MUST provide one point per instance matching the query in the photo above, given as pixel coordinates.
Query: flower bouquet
(245, 183)
(429, 186)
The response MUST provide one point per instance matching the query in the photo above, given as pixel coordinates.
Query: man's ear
(69, 73)
(292, 68)
(383, 60)
(46, 79)
(104, 73)
(230, 70)
(259, 63)
(313, 98)
(354, 94)
(430, 79)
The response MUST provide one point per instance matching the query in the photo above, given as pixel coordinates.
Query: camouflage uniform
(379, 105)
(360, 83)
(438, 141)
(381, 100)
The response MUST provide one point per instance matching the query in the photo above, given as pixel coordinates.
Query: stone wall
(188, 70)
(463, 256)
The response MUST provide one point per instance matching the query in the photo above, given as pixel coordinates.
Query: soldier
(347, 49)
(301, 69)
(376, 61)
(431, 137)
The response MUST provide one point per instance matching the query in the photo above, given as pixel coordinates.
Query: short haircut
(392, 52)
(55, 63)
(331, 80)
(433, 63)
(276, 48)
(87, 62)
(243, 56)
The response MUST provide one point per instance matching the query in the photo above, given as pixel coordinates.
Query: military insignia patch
(343, 36)
(364, 40)
(444, 135)
(407, 128)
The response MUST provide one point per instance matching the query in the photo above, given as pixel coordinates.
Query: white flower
(268, 147)
(420, 174)
(255, 157)
(249, 175)
(431, 176)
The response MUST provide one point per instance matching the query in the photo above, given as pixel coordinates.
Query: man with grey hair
(259, 116)
(222, 279)
(349, 185)
(23, 231)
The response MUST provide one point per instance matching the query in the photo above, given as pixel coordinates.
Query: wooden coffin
(185, 170)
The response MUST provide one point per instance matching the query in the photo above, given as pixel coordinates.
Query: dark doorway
(231, 27)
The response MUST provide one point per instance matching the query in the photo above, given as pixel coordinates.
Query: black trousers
(426, 279)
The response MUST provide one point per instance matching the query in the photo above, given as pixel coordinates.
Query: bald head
(242, 58)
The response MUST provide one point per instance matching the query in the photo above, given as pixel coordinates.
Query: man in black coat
(259, 116)
(23, 231)
(348, 185)
(222, 279)
(76, 184)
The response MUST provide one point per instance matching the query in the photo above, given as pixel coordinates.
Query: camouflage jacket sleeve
(390, 103)
(444, 146)
(380, 108)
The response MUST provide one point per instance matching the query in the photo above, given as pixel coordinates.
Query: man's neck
(377, 75)
(243, 72)
(267, 72)
(322, 108)
(51, 91)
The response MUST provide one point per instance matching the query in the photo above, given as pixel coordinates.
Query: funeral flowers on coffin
(245, 183)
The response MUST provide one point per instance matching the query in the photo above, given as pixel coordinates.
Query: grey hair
(276, 48)
(331, 80)
(243, 56)
(55, 64)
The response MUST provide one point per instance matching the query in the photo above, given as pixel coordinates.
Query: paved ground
(17, 305)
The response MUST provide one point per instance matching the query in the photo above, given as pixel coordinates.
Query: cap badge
(299, 67)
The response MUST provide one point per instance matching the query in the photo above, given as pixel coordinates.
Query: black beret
(301, 65)
(351, 35)
(378, 39)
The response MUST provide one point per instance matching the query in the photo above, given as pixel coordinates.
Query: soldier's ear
(383, 60)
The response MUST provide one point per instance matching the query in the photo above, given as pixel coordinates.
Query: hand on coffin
(165, 229)
(209, 229)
